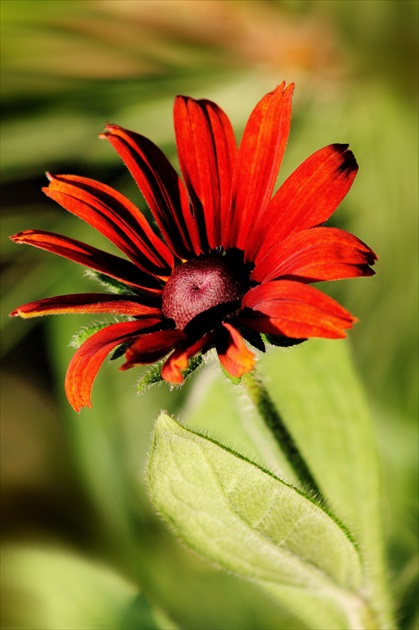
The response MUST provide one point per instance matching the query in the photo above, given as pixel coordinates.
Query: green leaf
(317, 391)
(248, 521)
(65, 590)
(141, 615)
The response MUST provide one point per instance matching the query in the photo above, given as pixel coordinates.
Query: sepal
(84, 333)
(112, 284)
(153, 374)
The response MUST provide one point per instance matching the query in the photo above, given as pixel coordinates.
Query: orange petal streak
(163, 191)
(179, 359)
(307, 198)
(236, 358)
(152, 347)
(115, 217)
(296, 310)
(86, 303)
(83, 254)
(86, 362)
(316, 254)
(258, 160)
(207, 151)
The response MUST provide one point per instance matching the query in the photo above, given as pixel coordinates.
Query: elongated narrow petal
(115, 217)
(91, 257)
(308, 197)
(152, 347)
(87, 303)
(161, 187)
(86, 362)
(296, 310)
(258, 160)
(179, 360)
(233, 353)
(316, 254)
(207, 150)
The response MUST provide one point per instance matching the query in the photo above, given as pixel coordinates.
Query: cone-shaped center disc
(203, 283)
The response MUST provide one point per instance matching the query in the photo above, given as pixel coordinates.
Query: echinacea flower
(233, 261)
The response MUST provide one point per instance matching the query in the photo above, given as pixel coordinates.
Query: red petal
(207, 150)
(161, 187)
(316, 254)
(151, 347)
(308, 197)
(89, 357)
(235, 357)
(115, 217)
(295, 310)
(89, 256)
(87, 303)
(258, 160)
(179, 359)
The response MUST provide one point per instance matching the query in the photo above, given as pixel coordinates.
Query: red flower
(236, 262)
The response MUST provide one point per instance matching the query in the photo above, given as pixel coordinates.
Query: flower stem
(260, 397)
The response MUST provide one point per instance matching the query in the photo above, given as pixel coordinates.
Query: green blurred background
(82, 547)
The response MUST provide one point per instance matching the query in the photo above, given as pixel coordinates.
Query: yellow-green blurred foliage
(82, 547)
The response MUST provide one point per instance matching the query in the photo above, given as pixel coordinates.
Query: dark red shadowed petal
(295, 310)
(307, 198)
(233, 353)
(207, 151)
(87, 303)
(115, 217)
(179, 359)
(89, 357)
(89, 256)
(258, 160)
(152, 347)
(315, 254)
(161, 187)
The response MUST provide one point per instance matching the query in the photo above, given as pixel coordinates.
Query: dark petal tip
(349, 163)
(340, 148)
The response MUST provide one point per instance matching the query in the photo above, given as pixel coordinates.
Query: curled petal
(86, 362)
(114, 216)
(207, 150)
(179, 359)
(87, 303)
(108, 264)
(258, 160)
(295, 310)
(161, 187)
(233, 353)
(307, 198)
(316, 254)
(151, 347)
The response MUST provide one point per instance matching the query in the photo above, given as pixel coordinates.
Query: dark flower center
(212, 284)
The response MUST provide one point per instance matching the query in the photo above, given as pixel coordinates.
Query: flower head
(232, 262)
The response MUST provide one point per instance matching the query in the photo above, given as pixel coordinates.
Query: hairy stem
(260, 397)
